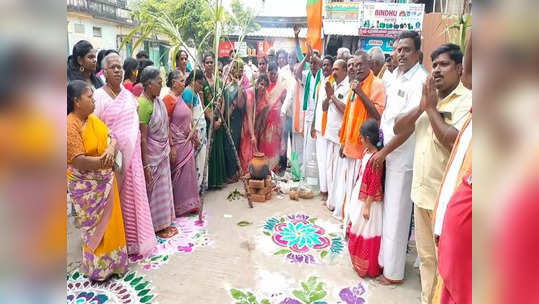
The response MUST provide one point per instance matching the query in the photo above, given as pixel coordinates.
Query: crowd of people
(390, 141)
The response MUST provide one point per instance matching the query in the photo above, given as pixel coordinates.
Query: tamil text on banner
(379, 19)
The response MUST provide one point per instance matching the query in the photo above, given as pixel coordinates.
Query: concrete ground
(237, 257)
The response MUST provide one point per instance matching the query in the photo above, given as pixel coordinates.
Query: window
(97, 31)
(79, 28)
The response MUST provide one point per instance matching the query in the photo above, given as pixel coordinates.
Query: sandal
(385, 281)
(167, 232)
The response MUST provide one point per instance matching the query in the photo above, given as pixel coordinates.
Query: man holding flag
(308, 81)
(320, 123)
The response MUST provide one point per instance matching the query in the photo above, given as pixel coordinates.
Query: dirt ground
(243, 258)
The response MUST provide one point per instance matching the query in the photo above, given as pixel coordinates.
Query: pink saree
(184, 174)
(160, 187)
(267, 128)
(120, 116)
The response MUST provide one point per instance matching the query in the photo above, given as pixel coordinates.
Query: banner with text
(379, 19)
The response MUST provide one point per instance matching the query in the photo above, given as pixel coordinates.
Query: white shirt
(387, 78)
(286, 108)
(403, 95)
(334, 115)
(320, 96)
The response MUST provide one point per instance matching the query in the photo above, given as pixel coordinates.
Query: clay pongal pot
(258, 168)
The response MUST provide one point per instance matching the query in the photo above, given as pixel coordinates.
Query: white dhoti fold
(309, 146)
(396, 224)
(321, 158)
(332, 162)
(297, 146)
(347, 175)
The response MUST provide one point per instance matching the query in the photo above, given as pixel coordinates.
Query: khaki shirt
(431, 156)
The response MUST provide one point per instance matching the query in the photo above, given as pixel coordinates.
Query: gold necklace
(112, 91)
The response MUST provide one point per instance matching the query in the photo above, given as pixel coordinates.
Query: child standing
(365, 227)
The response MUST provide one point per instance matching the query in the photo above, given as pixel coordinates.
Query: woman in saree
(117, 108)
(268, 120)
(190, 95)
(82, 64)
(183, 140)
(130, 73)
(155, 148)
(182, 60)
(216, 164)
(234, 110)
(93, 187)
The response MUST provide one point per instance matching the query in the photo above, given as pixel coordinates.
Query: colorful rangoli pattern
(191, 235)
(131, 288)
(301, 240)
(312, 291)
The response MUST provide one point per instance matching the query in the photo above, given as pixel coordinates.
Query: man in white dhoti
(335, 104)
(308, 81)
(320, 123)
(444, 108)
(404, 93)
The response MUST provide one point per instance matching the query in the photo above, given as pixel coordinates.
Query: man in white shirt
(444, 108)
(335, 104)
(319, 125)
(308, 80)
(403, 94)
(293, 121)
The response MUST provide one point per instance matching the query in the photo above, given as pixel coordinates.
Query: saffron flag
(314, 23)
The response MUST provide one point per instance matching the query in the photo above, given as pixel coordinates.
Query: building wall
(109, 31)
(111, 35)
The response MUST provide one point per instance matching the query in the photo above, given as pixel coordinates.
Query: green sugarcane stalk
(210, 133)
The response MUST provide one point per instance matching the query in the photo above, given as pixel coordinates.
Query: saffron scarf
(355, 113)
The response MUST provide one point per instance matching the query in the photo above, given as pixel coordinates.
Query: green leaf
(312, 220)
(265, 301)
(317, 296)
(323, 253)
(142, 285)
(282, 251)
(236, 294)
(165, 258)
(146, 299)
(143, 292)
(243, 223)
(333, 234)
(300, 295)
(129, 36)
(251, 298)
(311, 282)
(136, 281)
(129, 277)
(282, 219)
(267, 233)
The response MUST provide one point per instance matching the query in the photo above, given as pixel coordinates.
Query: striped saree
(97, 202)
